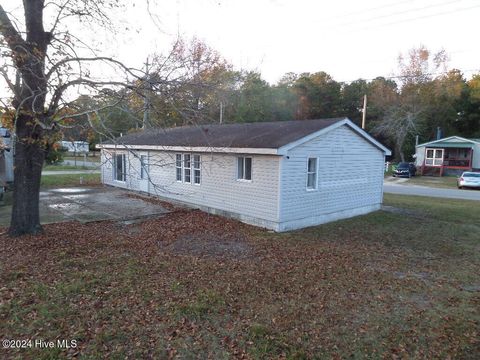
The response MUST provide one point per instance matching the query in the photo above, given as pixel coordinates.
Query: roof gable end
(283, 150)
(453, 138)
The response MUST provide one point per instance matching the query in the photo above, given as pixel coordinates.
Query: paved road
(433, 192)
(67, 172)
(80, 162)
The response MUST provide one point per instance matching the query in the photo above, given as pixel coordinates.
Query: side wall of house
(476, 157)
(350, 180)
(7, 160)
(420, 152)
(131, 169)
(254, 202)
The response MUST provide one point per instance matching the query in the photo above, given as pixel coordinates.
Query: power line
(392, 14)
(430, 16)
(400, 13)
(371, 9)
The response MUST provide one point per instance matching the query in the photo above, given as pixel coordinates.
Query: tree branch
(99, 58)
(9, 33)
(57, 95)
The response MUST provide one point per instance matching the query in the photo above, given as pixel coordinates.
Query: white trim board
(197, 149)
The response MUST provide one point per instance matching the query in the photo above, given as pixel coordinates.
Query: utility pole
(146, 100)
(221, 112)
(364, 112)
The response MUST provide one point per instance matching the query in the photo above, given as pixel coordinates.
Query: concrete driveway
(86, 204)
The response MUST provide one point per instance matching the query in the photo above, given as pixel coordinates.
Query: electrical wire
(432, 15)
(371, 9)
(400, 13)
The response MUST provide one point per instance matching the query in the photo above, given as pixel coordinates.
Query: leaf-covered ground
(397, 284)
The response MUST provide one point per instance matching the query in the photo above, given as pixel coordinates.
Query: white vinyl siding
(349, 176)
(349, 181)
(254, 202)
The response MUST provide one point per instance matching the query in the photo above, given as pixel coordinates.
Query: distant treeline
(195, 85)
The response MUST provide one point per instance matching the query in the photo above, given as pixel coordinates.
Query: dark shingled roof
(270, 135)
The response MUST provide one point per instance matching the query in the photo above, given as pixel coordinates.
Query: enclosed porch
(447, 159)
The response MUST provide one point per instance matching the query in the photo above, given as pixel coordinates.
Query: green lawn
(70, 180)
(80, 158)
(448, 182)
(64, 167)
(401, 284)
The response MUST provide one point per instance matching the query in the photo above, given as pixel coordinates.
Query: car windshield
(475, 175)
(402, 166)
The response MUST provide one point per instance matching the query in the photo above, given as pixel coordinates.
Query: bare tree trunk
(400, 140)
(29, 103)
(29, 158)
(399, 150)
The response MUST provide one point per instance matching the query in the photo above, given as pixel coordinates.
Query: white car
(469, 179)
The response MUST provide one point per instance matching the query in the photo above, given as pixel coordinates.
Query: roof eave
(446, 139)
(199, 149)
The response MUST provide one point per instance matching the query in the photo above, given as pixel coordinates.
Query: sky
(345, 38)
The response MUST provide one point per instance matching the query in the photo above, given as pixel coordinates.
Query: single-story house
(79, 147)
(6, 157)
(278, 175)
(448, 156)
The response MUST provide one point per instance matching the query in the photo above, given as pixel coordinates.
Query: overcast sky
(347, 39)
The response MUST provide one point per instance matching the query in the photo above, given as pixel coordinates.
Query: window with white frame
(178, 166)
(244, 168)
(434, 157)
(143, 167)
(196, 169)
(312, 173)
(119, 167)
(188, 168)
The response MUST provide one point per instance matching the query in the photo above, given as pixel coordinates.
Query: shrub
(55, 154)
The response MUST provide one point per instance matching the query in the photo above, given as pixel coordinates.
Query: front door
(144, 178)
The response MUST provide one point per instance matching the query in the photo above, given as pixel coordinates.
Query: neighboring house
(6, 157)
(278, 175)
(79, 147)
(448, 156)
